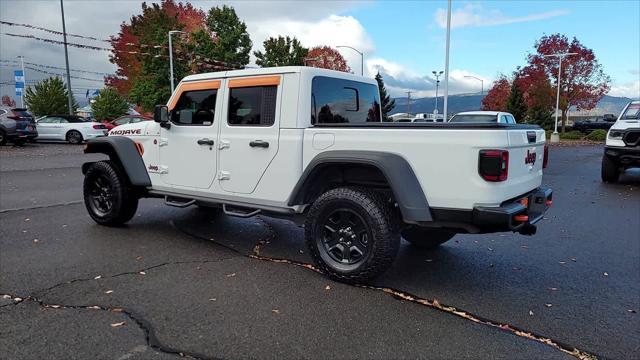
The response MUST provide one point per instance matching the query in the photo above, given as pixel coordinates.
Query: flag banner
(19, 85)
(18, 91)
(19, 76)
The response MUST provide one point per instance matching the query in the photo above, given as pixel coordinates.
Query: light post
(555, 137)
(446, 63)
(481, 82)
(171, 56)
(361, 57)
(437, 74)
(66, 59)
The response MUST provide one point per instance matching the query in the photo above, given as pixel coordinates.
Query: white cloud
(473, 15)
(629, 89)
(398, 80)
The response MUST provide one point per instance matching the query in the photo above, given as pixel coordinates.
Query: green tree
(233, 43)
(386, 103)
(281, 51)
(109, 105)
(48, 97)
(540, 102)
(515, 102)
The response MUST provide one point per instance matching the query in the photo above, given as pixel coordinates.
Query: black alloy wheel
(344, 238)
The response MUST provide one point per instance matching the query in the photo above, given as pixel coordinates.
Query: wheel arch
(122, 151)
(393, 169)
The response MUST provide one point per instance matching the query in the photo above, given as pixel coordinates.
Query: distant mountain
(469, 102)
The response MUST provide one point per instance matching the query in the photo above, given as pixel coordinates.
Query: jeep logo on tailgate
(530, 158)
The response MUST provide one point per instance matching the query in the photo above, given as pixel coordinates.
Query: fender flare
(404, 184)
(123, 151)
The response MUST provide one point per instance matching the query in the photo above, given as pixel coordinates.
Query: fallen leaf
(490, 249)
(553, 289)
(138, 257)
(17, 299)
(212, 299)
(64, 225)
(605, 273)
(275, 311)
(97, 277)
(55, 306)
(6, 296)
(573, 259)
(562, 262)
(118, 324)
(108, 291)
(94, 307)
(530, 313)
(142, 273)
(301, 252)
(429, 260)
(117, 310)
(231, 275)
(490, 265)
(524, 246)
(631, 311)
(36, 241)
(27, 219)
(548, 305)
(327, 287)
(475, 241)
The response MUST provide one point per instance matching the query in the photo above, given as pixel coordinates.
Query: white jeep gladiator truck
(622, 147)
(309, 144)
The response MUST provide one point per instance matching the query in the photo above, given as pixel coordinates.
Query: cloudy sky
(404, 40)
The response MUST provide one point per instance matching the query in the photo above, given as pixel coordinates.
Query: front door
(188, 148)
(249, 132)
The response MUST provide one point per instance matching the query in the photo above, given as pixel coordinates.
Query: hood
(626, 124)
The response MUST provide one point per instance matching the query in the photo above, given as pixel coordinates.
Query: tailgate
(526, 155)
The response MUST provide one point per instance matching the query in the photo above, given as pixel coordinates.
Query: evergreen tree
(281, 51)
(515, 103)
(109, 105)
(387, 104)
(233, 43)
(49, 97)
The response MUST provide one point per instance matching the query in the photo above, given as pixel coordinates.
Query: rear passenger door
(249, 131)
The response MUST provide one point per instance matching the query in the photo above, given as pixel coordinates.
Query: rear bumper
(623, 156)
(25, 134)
(514, 215)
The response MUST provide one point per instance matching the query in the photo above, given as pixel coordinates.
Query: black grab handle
(259, 143)
(205, 142)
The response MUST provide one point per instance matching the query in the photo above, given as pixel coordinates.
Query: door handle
(205, 141)
(259, 143)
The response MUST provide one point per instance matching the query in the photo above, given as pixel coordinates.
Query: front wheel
(107, 197)
(74, 137)
(352, 234)
(609, 171)
(426, 238)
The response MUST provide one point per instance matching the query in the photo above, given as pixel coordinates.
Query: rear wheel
(609, 171)
(426, 238)
(108, 198)
(3, 137)
(352, 234)
(74, 137)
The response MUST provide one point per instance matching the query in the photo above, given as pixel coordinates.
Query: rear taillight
(545, 159)
(99, 127)
(493, 165)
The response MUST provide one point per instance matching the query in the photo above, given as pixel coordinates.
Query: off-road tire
(379, 220)
(426, 238)
(74, 137)
(3, 137)
(609, 171)
(124, 201)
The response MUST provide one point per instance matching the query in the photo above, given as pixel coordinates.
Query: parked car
(622, 147)
(483, 117)
(17, 126)
(71, 128)
(309, 144)
(588, 125)
(125, 119)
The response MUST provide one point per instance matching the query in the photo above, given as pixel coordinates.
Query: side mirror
(161, 116)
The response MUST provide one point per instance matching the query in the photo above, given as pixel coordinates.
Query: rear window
(632, 112)
(339, 101)
(474, 118)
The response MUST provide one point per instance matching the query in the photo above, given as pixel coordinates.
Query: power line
(56, 67)
(52, 31)
(58, 74)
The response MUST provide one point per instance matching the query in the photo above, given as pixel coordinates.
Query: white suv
(309, 144)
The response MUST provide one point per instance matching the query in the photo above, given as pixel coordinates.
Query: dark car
(125, 119)
(588, 125)
(17, 125)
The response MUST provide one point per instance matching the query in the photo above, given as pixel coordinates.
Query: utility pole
(409, 102)
(446, 64)
(437, 74)
(66, 59)
(555, 137)
(361, 57)
(171, 56)
(24, 77)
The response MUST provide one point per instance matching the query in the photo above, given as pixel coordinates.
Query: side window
(135, 120)
(45, 120)
(336, 101)
(511, 119)
(195, 107)
(121, 121)
(60, 120)
(252, 106)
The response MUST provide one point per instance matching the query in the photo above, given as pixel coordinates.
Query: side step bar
(240, 212)
(173, 201)
(229, 210)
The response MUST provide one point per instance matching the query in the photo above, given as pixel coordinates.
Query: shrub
(597, 135)
(572, 135)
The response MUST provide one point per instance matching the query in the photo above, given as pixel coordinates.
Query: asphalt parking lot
(187, 282)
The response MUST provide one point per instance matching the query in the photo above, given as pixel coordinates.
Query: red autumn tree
(326, 57)
(127, 46)
(8, 101)
(496, 98)
(583, 81)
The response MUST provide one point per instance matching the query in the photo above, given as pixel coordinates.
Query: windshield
(474, 118)
(632, 112)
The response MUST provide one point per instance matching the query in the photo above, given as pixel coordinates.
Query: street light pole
(409, 102)
(66, 59)
(446, 64)
(361, 57)
(437, 75)
(481, 82)
(555, 137)
(171, 56)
